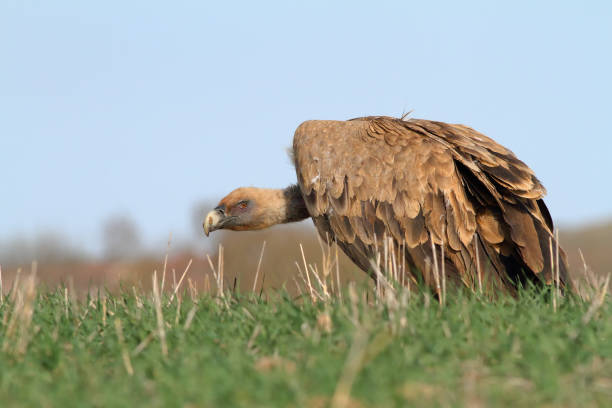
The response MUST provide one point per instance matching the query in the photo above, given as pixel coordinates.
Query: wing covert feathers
(417, 180)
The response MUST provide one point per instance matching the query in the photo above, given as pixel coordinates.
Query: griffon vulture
(411, 182)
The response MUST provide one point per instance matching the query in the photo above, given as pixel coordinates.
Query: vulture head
(250, 209)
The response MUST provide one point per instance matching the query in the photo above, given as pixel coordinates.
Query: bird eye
(242, 204)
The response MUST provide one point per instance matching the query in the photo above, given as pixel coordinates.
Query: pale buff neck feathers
(270, 206)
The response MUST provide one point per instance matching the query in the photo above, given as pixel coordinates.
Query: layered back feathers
(418, 181)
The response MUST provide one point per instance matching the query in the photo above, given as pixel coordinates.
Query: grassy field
(395, 349)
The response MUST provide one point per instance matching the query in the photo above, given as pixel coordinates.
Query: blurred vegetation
(594, 240)
(242, 252)
(125, 258)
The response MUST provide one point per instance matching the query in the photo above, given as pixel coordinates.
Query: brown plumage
(414, 181)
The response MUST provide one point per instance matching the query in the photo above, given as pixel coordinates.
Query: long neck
(278, 207)
(294, 205)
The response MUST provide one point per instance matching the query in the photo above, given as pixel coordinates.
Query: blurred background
(122, 123)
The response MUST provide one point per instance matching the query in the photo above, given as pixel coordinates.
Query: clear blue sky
(145, 108)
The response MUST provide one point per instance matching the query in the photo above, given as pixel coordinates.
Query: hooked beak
(213, 221)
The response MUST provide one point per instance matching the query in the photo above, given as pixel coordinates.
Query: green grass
(243, 351)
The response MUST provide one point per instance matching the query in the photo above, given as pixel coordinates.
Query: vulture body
(419, 185)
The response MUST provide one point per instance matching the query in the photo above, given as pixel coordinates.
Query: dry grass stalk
(176, 289)
(17, 334)
(325, 278)
(379, 276)
(588, 284)
(127, 363)
(220, 264)
(72, 294)
(324, 322)
(402, 253)
(325, 295)
(557, 258)
(189, 318)
(405, 279)
(584, 264)
(297, 285)
(218, 275)
(215, 275)
(307, 275)
(66, 301)
(248, 314)
(177, 316)
(1, 290)
(143, 344)
(103, 311)
(326, 258)
(342, 394)
(263, 281)
(354, 302)
(313, 293)
(251, 342)
(332, 287)
(552, 267)
(386, 255)
(338, 273)
(263, 248)
(166, 263)
(138, 301)
(161, 330)
(16, 282)
(300, 274)
(381, 280)
(193, 291)
(478, 271)
(436, 271)
(394, 262)
(597, 302)
(443, 262)
(163, 281)
(83, 316)
(207, 284)
(173, 280)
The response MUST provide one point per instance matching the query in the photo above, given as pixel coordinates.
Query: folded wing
(419, 181)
